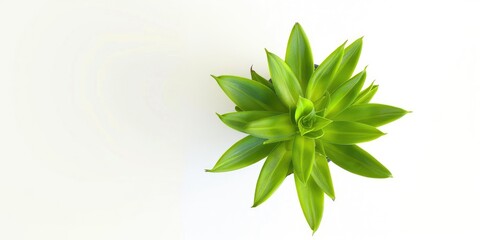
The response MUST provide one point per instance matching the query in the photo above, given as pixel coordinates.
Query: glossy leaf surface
(249, 95)
(345, 94)
(284, 81)
(348, 64)
(299, 55)
(323, 75)
(240, 120)
(303, 155)
(372, 114)
(356, 160)
(278, 126)
(311, 199)
(321, 175)
(342, 132)
(273, 172)
(243, 153)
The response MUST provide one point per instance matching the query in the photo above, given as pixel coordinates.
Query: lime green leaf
(303, 155)
(342, 132)
(322, 104)
(356, 160)
(278, 126)
(321, 175)
(345, 94)
(249, 95)
(260, 79)
(311, 200)
(243, 153)
(238, 109)
(239, 120)
(371, 113)
(323, 75)
(366, 95)
(311, 124)
(348, 64)
(273, 172)
(304, 108)
(299, 55)
(284, 81)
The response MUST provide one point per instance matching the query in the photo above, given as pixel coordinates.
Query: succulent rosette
(305, 117)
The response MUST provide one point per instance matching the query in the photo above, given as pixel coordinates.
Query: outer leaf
(321, 175)
(303, 155)
(311, 200)
(356, 160)
(299, 55)
(239, 120)
(345, 94)
(243, 153)
(278, 126)
(342, 132)
(323, 75)
(260, 79)
(273, 172)
(284, 81)
(366, 95)
(348, 64)
(372, 114)
(304, 108)
(249, 95)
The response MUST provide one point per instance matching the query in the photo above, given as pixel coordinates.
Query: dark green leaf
(356, 160)
(273, 172)
(249, 95)
(348, 64)
(260, 79)
(239, 120)
(243, 153)
(284, 81)
(303, 156)
(299, 55)
(342, 132)
(345, 94)
(323, 75)
(321, 175)
(371, 113)
(311, 199)
(278, 126)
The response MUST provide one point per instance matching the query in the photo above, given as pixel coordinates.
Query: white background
(107, 119)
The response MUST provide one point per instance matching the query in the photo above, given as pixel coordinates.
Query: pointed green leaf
(303, 155)
(249, 95)
(356, 160)
(260, 79)
(323, 75)
(278, 126)
(371, 113)
(322, 104)
(345, 94)
(321, 175)
(299, 55)
(304, 108)
(273, 172)
(342, 132)
(348, 64)
(243, 153)
(284, 81)
(366, 95)
(311, 200)
(239, 120)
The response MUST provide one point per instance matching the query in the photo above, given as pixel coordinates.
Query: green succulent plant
(303, 118)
